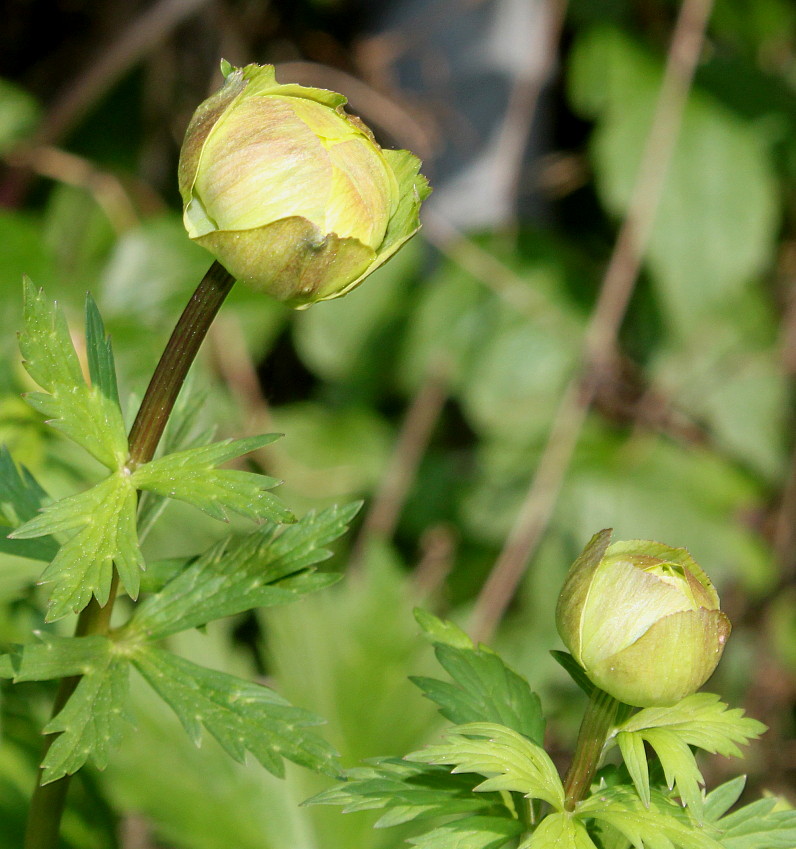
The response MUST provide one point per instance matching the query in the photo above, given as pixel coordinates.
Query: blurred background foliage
(431, 391)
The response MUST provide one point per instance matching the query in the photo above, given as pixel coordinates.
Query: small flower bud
(290, 193)
(642, 619)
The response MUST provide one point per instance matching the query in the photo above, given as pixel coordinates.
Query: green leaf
(91, 722)
(698, 720)
(507, 759)
(92, 719)
(661, 826)
(56, 657)
(441, 631)
(405, 792)
(559, 831)
(102, 522)
(485, 689)
(84, 413)
(21, 498)
(240, 715)
(720, 800)
(99, 353)
(268, 567)
(574, 670)
(470, 833)
(191, 476)
(759, 825)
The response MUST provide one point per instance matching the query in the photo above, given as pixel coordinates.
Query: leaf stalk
(47, 804)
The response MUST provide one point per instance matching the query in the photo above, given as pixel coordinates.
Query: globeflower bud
(642, 619)
(290, 193)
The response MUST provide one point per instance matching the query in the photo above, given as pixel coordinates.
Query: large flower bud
(642, 619)
(290, 193)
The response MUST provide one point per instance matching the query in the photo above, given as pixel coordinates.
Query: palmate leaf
(21, 498)
(477, 832)
(406, 792)
(90, 723)
(93, 718)
(240, 715)
(664, 825)
(102, 520)
(102, 523)
(698, 720)
(268, 567)
(559, 831)
(759, 825)
(485, 689)
(191, 476)
(507, 760)
(89, 415)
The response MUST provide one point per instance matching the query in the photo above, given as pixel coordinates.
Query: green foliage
(659, 826)
(763, 824)
(504, 757)
(699, 720)
(87, 414)
(21, 498)
(97, 531)
(266, 568)
(191, 476)
(102, 523)
(485, 688)
(240, 715)
(93, 718)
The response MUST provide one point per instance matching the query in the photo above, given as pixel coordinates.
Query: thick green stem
(47, 804)
(597, 723)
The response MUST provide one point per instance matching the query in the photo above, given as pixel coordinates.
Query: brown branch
(102, 73)
(418, 425)
(600, 343)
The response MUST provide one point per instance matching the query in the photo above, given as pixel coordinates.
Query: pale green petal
(289, 259)
(623, 603)
(576, 590)
(672, 660)
(263, 166)
(362, 192)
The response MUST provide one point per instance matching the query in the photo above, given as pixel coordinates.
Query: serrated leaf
(559, 831)
(661, 826)
(698, 720)
(758, 826)
(21, 498)
(635, 757)
(268, 567)
(84, 413)
(241, 715)
(574, 670)
(56, 657)
(405, 791)
(485, 689)
(702, 720)
(180, 434)
(191, 476)
(91, 722)
(722, 798)
(99, 353)
(102, 523)
(470, 833)
(441, 631)
(507, 759)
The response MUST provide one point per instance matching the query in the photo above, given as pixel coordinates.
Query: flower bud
(642, 619)
(290, 193)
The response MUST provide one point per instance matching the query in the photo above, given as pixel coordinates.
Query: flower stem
(47, 804)
(597, 723)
